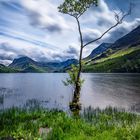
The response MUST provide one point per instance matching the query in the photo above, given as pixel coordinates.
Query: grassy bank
(94, 124)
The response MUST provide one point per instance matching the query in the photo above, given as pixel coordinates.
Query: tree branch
(92, 41)
(119, 21)
(81, 49)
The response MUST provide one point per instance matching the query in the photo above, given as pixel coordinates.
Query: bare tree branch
(119, 21)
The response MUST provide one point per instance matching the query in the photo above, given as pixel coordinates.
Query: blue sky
(36, 29)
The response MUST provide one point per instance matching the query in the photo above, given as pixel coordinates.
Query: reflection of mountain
(121, 56)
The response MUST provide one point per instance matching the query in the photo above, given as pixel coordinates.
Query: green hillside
(123, 60)
(33, 69)
(4, 69)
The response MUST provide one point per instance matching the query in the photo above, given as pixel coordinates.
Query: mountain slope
(58, 66)
(130, 62)
(131, 39)
(23, 62)
(100, 49)
(121, 56)
(5, 69)
(26, 64)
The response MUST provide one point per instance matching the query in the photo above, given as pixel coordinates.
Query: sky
(36, 29)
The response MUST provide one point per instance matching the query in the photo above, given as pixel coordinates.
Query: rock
(44, 131)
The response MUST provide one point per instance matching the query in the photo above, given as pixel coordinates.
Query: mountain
(60, 66)
(26, 64)
(22, 62)
(5, 69)
(100, 49)
(131, 39)
(122, 56)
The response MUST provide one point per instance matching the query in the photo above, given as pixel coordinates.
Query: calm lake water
(99, 90)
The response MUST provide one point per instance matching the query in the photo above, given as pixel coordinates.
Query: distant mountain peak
(22, 62)
(22, 59)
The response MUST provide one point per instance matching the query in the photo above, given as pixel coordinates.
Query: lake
(47, 89)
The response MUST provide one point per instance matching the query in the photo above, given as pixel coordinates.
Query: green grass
(93, 124)
(121, 61)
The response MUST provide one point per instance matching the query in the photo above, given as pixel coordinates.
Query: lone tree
(75, 9)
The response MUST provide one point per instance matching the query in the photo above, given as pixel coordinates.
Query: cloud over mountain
(36, 29)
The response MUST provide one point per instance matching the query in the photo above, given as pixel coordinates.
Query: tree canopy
(76, 8)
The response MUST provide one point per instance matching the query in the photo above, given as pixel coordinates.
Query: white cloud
(5, 62)
(47, 12)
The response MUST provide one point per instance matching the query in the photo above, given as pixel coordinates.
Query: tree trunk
(77, 84)
(75, 105)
